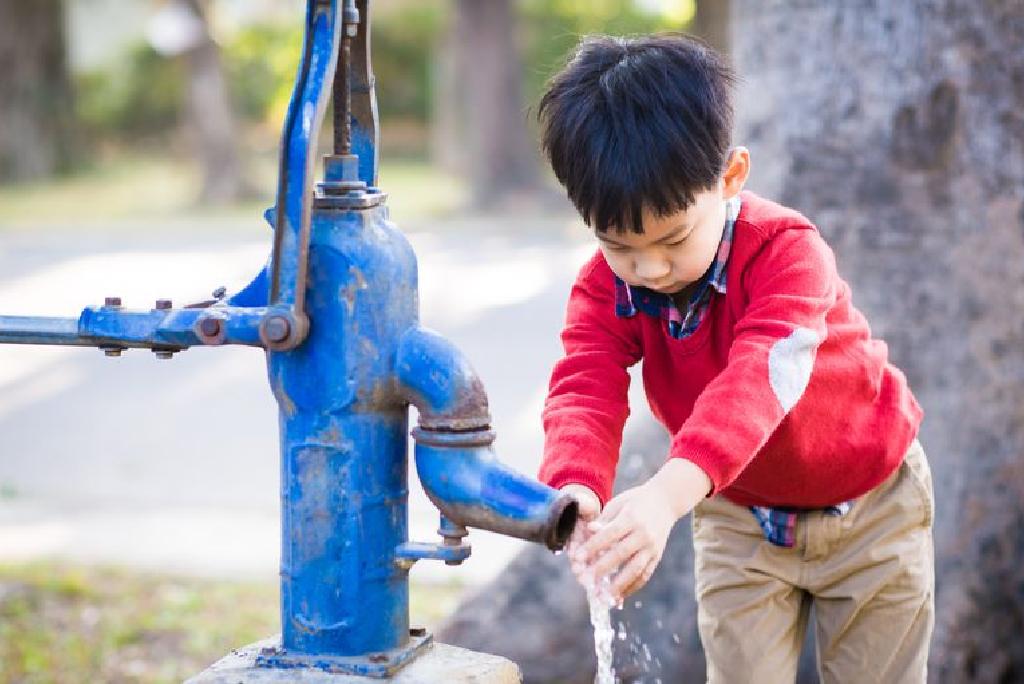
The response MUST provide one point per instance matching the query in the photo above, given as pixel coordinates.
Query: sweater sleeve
(791, 285)
(587, 401)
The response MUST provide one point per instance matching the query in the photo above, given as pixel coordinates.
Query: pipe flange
(446, 438)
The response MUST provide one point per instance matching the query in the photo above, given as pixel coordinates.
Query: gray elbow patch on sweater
(790, 363)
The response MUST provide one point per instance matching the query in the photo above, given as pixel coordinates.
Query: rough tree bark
(36, 105)
(499, 156)
(899, 129)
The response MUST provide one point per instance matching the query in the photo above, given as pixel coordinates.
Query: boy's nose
(652, 269)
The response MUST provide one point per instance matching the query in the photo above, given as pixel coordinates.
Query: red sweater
(781, 395)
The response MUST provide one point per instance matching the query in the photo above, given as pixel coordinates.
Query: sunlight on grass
(61, 623)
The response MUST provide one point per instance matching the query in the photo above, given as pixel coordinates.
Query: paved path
(173, 465)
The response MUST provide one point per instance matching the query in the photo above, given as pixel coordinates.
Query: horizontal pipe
(158, 328)
(41, 330)
(471, 487)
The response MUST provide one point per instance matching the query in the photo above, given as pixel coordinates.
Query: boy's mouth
(669, 289)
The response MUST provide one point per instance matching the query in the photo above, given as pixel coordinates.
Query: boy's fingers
(602, 539)
(630, 573)
(613, 558)
(634, 575)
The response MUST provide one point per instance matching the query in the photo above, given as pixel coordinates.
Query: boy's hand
(590, 505)
(629, 537)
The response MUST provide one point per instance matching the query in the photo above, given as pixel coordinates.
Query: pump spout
(471, 487)
(456, 464)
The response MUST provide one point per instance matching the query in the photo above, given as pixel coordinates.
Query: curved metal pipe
(440, 382)
(471, 487)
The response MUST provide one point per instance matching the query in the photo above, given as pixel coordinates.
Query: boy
(794, 440)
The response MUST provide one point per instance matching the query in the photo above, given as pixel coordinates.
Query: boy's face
(676, 250)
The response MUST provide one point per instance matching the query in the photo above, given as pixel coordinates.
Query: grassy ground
(69, 624)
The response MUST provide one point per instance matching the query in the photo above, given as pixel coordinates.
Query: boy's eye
(676, 243)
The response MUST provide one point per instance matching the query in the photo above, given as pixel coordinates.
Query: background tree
(182, 29)
(899, 129)
(486, 92)
(36, 104)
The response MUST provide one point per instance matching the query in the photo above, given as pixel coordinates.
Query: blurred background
(139, 520)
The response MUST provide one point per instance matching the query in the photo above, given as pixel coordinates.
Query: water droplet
(675, 638)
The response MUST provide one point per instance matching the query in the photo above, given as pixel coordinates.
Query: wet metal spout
(471, 487)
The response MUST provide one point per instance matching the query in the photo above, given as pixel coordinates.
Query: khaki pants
(869, 574)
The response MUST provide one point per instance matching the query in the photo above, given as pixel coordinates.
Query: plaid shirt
(778, 524)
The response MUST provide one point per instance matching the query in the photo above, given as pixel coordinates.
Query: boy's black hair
(638, 122)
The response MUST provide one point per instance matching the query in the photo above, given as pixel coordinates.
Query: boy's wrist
(683, 483)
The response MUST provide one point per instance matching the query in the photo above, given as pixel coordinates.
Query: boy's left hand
(630, 534)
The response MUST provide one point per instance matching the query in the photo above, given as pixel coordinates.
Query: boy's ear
(737, 170)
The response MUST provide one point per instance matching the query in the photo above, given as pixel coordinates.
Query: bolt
(418, 631)
(162, 304)
(112, 351)
(163, 354)
(277, 329)
(210, 327)
(378, 658)
(112, 302)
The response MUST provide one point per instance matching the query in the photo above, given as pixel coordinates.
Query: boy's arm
(587, 401)
(791, 285)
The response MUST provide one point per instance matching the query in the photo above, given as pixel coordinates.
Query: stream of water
(601, 601)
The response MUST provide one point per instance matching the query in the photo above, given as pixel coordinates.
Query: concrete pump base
(438, 664)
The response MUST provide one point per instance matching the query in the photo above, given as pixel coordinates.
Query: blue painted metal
(465, 480)
(336, 308)
(440, 381)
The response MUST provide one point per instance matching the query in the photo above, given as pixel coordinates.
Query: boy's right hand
(590, 505)
(589, 509)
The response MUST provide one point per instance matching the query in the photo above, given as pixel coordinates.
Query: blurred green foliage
(138, 96)
(142, 95)
(552, 28)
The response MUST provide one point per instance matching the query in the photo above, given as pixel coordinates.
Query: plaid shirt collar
(681, 324)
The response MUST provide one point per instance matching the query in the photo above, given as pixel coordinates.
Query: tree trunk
(899, 129)
(36, 105)
(499, 155)
(712, 23)
(209, 118)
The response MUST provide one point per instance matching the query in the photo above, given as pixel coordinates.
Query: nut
(277, 329)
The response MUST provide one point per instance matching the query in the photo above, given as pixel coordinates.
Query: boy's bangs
(621, 208)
